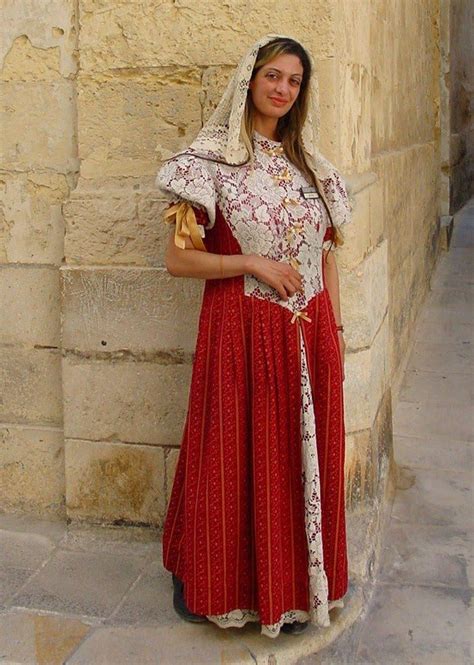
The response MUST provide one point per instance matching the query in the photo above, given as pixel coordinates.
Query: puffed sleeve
(186, 178)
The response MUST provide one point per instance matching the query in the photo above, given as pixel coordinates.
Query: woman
(255, 528)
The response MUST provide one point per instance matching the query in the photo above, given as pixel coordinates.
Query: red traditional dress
(255, 525)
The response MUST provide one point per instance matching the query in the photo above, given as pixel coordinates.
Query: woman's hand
(281, 276)
(342, 347)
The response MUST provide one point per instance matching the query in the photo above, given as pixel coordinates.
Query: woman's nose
(282, 88)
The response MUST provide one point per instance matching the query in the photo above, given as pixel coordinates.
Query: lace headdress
(220, 140)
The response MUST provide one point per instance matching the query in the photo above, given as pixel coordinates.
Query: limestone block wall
(98, 341)
(461, 108)
(405, 94)
(39, 167)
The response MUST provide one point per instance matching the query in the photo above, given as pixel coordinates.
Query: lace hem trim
(238, 618)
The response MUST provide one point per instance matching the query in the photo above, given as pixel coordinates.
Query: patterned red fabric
(234, 530)
(329, 233)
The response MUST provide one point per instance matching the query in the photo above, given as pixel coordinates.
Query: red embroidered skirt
(235, 525)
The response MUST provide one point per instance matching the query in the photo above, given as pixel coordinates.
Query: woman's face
(276, 86)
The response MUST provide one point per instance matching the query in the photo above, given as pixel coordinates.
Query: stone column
(362, 262)
(38, 169)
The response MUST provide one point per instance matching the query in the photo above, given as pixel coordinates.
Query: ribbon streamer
(300, 315)
(186, 226)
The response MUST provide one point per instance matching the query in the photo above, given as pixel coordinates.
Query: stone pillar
(38, 169)
(362, 261)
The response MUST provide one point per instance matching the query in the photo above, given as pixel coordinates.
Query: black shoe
(294, 628)
(180, 606)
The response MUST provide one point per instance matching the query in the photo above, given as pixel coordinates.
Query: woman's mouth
(278, 102)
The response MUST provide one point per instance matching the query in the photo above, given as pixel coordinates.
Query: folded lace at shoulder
(188, 178)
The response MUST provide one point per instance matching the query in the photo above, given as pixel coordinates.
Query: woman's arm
(190, 262)
(331, 281)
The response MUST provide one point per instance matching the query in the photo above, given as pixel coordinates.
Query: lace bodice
(265, 206)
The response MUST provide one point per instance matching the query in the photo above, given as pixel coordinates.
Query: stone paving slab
(416, 625)
(447, 420)
(428, 555)
(183, 644)
(436, 497)
(421, 386)
(33, 639)
(435, 453)
(86, 583)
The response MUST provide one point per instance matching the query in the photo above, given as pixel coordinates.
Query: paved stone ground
(420, 612)
(80, 595)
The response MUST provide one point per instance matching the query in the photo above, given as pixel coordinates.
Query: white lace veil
(220, 138)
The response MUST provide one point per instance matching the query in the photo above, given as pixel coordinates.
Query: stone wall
(39, 170)
(98, 339)
(460, 76)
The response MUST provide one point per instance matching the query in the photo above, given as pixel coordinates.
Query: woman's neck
(266, 126)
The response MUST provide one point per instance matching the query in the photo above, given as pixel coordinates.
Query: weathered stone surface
(369, 454)
(356, 233)
(179, 644)
(123, 227)
(421, 624)
(32, 470)
(327, 71)
(25, 62)
(214, 81)
(447, 420)
(128, 122)
(434, 452)
(114, 482)
(355, 125)
(367, 374)
(376, 211)
(22, 548)
(27, 637)
(126, 401)
(37, 121)
(171, 460)
(426, 554)
(436, 497)
(364, 297)
(30, 305)
(351, 20)
(38, 40)
(409, 226)
(151, 599)
(168, 34)
(31, 220)
(31, 381)
(80, 583)
(404, 87)
(458, 56)
(129, 309)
